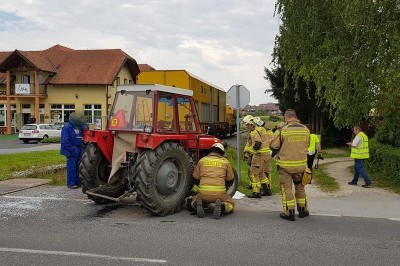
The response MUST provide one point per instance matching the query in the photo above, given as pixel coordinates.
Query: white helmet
(258, 121)
(248, 119)
(219, 146)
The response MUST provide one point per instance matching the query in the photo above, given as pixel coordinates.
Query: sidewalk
(354, 201)
(17, 184)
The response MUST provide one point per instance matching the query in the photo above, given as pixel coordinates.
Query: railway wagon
(210, 100)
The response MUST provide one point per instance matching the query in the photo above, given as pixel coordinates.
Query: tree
(349, 49)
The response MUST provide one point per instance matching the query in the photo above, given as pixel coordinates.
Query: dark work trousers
(310, 160)
(72, 171)
(359, 170)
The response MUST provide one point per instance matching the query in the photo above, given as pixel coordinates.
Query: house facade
(53, 83)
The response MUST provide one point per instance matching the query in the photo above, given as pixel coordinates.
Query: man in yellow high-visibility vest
(291, 144)
(360, 152)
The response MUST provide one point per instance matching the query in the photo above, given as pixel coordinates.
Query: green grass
(57, 177)
(324, 181)
(335, 153)
(9, 137)
(17, 162)
(380, 181)
(231, 155)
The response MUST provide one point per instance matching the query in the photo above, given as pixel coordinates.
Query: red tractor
(151, 144)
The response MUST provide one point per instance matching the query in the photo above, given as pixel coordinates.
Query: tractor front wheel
(164, 178)
(94, 170)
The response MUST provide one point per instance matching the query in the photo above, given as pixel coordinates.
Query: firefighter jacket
(291, 143)
(213, 171)
(361, 151)
(266, 136)
(253, 137)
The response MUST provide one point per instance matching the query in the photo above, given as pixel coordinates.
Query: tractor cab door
(176, 114)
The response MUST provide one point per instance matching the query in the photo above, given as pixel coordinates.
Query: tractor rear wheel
(164, 178)
(94, 170)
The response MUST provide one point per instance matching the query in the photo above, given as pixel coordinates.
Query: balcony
(27, 90)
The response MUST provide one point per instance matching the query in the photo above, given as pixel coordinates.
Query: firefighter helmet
(248, 119)
(219, 146)
(258, 121)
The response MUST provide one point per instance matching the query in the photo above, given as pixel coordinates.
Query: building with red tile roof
(52, 83)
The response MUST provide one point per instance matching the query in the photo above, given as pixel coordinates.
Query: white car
(38, 132)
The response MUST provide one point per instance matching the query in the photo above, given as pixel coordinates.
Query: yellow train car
(210, 100)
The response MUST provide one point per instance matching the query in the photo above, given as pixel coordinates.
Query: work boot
(303, 212)
(289, 217)
(367, 185)
(254, 195)
(352, 184)
(200, 209)
(266, 190)
(218, 209)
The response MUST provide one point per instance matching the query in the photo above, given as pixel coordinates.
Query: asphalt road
(57, 226)
(14, 146)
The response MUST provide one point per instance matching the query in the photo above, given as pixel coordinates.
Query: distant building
(270, 108)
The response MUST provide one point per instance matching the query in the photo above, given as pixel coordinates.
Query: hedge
(385, 160)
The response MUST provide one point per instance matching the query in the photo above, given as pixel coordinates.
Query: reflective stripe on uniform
(285, 163)
(212, 188)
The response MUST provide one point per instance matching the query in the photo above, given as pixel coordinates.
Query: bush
(274, 118)
(385, 160)
(51, 140)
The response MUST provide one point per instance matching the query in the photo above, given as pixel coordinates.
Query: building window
(130, 81)
(118, 81)
(3, 114)
(26, 79)
(92, 112)
(59, 113)
(125, 81)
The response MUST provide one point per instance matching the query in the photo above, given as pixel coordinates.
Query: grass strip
(17, 162)
(324, 181)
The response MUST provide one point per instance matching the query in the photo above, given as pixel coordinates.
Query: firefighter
(72, 147)
(256, 151)
(266, 137)
(291, 144)
(213, 174)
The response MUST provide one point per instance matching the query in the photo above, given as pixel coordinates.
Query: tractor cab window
(186, 115)
(132, 111)
(165, 113)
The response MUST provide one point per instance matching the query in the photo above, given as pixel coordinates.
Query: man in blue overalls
(72, 147)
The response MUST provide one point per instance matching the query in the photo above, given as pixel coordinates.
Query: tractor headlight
(148, 129)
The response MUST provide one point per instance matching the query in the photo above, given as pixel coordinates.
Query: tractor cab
(154, 109)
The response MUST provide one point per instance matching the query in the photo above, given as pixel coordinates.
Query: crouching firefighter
(291, 144)
(213, 174)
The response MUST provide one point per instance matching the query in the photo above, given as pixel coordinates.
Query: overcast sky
(225, 42)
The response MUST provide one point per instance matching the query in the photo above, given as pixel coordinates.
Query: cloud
(225, 42)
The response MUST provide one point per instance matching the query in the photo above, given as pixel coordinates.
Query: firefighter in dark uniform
(291, 144)
(213, 174)
(257, 151)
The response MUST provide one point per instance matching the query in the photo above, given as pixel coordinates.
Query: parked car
(38, 132)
